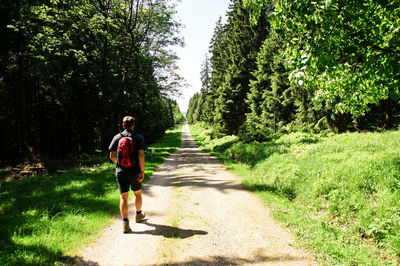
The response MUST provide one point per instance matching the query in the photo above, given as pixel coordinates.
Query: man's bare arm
(141, 165)
(113, 156)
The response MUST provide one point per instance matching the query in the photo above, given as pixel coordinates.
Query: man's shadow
(169, 231)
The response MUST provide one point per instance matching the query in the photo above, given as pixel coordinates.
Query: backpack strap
(125, 135)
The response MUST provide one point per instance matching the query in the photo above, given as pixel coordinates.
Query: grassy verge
(338, 193)
(45, 219)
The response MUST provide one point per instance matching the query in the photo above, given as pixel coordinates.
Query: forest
(70, 70)
(277, 67)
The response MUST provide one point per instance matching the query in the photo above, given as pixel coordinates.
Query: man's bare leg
(138, 200)
(123, 204)
(138, 203)
(123, 208)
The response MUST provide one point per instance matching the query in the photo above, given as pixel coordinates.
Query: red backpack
(125, 152)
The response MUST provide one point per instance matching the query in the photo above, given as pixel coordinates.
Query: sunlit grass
(339, 193)
(45, 219)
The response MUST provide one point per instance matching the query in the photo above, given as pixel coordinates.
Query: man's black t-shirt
(138, 144)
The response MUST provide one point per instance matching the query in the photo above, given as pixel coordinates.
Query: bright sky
(199, 18)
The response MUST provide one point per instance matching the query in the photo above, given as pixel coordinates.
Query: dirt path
(197, 214)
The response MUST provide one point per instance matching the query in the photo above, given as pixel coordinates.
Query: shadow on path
(81, 262)
(190, 167)
(257, 258)
(169, 231)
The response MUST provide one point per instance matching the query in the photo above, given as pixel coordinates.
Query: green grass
(45, 219)
(339, 193)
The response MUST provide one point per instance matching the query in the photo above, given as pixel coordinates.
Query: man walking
(127, 152)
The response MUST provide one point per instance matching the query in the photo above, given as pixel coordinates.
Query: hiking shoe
(126, 228)
(140, 217)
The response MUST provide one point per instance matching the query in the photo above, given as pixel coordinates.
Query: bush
(222, 144)
(298, 138)
(254, 152)
(205, 132)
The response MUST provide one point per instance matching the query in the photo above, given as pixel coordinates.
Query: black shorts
(126, 182)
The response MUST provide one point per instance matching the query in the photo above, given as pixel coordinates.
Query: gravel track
(197, 214)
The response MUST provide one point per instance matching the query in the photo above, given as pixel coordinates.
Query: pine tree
(242, 41)
(270, 98)
(217, 65)
(205, 106)
(193, 102)
(205, 75)
(198, 111)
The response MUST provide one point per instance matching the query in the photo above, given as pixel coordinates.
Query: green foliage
(45, 219)
(299, 138)
(271, 99)
(71, 70)
(199, 108)
(231, 146)
(226, 75)
(338, 192)
(327, 66)
(206, 133)
(242, 41)
(177, 114)
(264, 104)
(218, 64)
(347, 52)
(205, 105)
(252, 153)
(193, 110)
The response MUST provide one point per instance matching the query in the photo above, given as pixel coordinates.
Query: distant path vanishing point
(197, 214)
